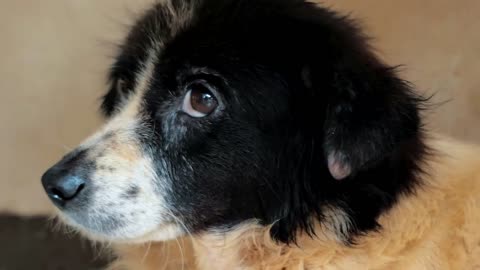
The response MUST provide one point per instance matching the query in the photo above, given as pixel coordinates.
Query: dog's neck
(406, 226)
(351, 206)
(249, 246)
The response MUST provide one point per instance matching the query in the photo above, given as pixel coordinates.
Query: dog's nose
(62, 186)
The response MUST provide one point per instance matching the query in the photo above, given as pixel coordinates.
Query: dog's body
(269, 132)
(437, 228)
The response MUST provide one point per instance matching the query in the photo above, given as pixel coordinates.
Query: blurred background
(54, 55)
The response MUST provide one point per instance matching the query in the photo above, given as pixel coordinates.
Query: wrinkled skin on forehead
(309, 124)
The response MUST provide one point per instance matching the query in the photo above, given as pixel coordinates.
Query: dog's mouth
(112, 225)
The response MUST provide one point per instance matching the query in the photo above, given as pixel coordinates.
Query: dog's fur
(437, 228)
(314, 158)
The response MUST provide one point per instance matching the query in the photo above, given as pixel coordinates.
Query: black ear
(370, 111)
(357, 121)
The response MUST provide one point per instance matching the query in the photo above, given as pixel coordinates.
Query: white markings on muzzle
(126, 196)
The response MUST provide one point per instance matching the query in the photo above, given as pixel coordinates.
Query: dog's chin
(124, 233)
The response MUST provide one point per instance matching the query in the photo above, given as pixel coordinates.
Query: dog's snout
(61, 185)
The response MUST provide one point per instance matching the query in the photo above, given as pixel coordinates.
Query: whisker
(146, 253)
(181, 253)
(166, 248)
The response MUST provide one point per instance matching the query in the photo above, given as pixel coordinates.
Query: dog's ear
(358, 123)
(369, 112)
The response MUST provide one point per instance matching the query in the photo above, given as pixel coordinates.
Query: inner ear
(369, 115)
(338, 165)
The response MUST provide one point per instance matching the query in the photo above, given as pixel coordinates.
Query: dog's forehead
(148, 37)
(177, 37)
(186, 29)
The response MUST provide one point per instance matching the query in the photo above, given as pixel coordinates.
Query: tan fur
(437, 228)
(158, 256)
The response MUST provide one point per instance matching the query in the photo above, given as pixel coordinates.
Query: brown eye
(199, 100)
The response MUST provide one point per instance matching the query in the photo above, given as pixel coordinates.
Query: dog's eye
(199, 100)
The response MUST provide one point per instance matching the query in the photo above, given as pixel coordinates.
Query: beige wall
(54, 53)
(439, 42)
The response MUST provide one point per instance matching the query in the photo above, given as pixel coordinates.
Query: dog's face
(222, 112)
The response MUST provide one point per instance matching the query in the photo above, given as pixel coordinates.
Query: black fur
(297, 83)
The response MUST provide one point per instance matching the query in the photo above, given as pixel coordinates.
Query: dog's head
(224, 111)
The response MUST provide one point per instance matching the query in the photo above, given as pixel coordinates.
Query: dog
(266, 134)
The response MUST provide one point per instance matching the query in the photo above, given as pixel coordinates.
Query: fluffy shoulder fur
(437, 227)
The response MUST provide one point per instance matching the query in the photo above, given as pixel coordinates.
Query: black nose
(62, 186)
